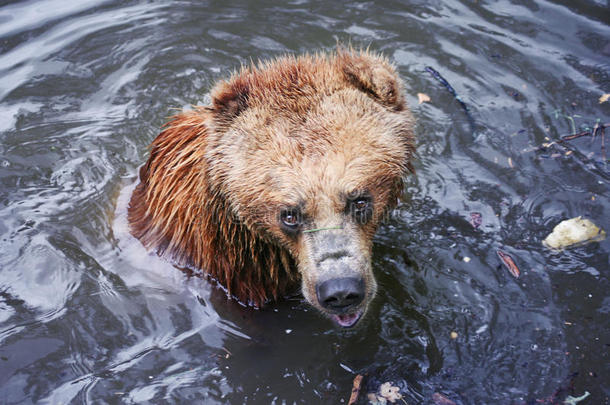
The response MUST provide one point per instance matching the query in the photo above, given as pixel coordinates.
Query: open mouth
(346, 320)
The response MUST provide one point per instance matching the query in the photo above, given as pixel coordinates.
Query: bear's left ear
(373, 75)
(230, 98)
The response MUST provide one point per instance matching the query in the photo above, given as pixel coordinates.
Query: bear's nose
(340, 294)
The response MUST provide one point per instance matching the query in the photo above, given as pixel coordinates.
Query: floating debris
(346, 368)
(387, 393)
(440, 399)
(423, 98)
(374, 400)
(605, 97)
(355, 390)
(451, 90)
(454, 335)
(570, 400)
(509, 263)
(390, 392)
(476, 219)
(574, 232)
(597, 128)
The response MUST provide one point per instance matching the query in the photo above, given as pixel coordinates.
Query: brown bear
(283, 180)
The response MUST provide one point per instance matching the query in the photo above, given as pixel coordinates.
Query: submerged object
(572, 232)
(509, 263)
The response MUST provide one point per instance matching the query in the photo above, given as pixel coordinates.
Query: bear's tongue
(347, 320)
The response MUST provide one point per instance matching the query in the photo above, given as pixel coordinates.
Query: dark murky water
(87, 316)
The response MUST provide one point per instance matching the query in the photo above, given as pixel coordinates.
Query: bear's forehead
(324, 155)
(306, 134)
(346, 120)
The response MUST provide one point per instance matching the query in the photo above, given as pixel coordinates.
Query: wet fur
(292, 132)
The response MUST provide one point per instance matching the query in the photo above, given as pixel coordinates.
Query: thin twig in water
(451, 90)
(595, 128)
(570, 118)
(572, 123)
(574, 136)
(565, 138)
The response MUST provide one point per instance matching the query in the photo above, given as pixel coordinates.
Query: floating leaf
(573, 232)
(440, 399)
(355, 390)
(423, 98)
(390, 392)
(509, 263)
(605, 97)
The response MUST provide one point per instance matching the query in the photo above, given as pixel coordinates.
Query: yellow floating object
(574, 231)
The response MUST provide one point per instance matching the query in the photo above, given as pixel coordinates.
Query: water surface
(87, 316)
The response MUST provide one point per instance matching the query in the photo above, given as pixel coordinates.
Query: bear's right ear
(373, 75)
(230, 98)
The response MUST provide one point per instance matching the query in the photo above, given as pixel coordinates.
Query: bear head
(303, 156)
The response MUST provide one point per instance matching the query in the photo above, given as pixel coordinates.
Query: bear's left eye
(290, 218)
(360, 204)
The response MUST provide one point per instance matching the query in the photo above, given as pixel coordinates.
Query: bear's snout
(340, 295)
(337, 276)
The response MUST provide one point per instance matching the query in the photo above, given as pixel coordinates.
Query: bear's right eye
(291, 219)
